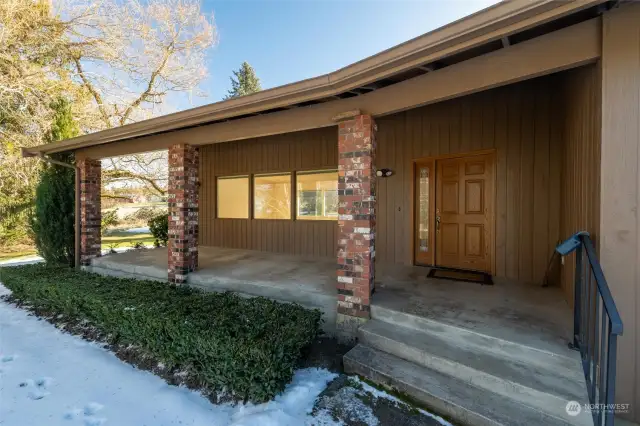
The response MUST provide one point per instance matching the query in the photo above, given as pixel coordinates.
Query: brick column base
(183, 212)
(90, 214)
(356, 224)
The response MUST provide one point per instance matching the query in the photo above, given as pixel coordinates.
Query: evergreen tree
(53, 219)
(244, 82)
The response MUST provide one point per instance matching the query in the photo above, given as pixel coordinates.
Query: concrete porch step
(541, 389)
(446, 395)
(523, 348)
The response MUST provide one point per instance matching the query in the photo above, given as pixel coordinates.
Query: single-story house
(475, 147)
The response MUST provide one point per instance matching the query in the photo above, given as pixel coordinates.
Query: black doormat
(460, 275)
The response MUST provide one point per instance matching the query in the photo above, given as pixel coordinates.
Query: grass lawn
(125, 239)
(221, 343)
(119, 239)
(134, 206)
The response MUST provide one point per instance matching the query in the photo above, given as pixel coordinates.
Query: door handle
(437, 223)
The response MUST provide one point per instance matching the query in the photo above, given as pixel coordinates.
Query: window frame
(293, 204)
(297, 209)
(239, 176)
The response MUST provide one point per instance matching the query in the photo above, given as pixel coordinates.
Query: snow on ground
(25, 260)
(51, 378)
(142, 230)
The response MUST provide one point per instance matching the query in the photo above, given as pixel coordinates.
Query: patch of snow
(73, 414)
(28, 260)
(44, 382)
(94, 421)
(92, 408)
(75, 381)
(7, 358)
(25, 260)
(141, 230)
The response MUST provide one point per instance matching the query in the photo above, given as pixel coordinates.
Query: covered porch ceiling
(509, 42)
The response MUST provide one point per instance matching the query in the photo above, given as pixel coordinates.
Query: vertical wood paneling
(309, 150)
(541, 186)
(514, 114)
(527, 169)
(580, 194)
(620, 188)
(501, 144)
(517, 121)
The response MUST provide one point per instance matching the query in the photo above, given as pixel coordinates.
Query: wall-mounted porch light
(384, 173)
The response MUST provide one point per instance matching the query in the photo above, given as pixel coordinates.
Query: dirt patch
(355, 403)
(325, 352)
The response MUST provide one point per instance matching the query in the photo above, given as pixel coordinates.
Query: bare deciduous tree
(129, 56)
(116, 62)
(147, 170)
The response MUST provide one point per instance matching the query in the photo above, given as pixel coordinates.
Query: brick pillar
(183, 212)
(90, 214)
(357, 222)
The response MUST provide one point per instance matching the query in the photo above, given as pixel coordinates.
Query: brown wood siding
(620, 188)
(309, 150)
(520, 121)
(580, 205)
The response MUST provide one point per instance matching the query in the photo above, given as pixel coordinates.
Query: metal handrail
(596, 327)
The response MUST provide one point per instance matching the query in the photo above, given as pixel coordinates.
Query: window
(233, 197)
(272, 196)
(423, 209)
(317, 195)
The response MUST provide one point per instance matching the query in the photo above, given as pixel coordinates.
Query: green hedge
(159, 228)
(248, 346)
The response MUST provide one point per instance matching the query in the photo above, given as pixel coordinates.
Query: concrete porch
(508, 310)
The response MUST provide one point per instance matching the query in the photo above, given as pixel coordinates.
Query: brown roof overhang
(493, 23)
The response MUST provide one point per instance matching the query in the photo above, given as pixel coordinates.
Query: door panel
(449, 235)
(450, 197)
(474, 236)
(464, 212)
(474, 197)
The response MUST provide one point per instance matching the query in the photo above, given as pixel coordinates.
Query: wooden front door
(464, 212)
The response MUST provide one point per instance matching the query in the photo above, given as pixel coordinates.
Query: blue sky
(290, 40)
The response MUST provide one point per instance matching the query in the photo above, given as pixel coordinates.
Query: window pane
(272, 196)
(233, 197)
(423, 217)
(317, 195)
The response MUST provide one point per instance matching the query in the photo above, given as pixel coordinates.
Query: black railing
(596, 327)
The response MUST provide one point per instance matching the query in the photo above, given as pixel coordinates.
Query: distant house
(502, 134)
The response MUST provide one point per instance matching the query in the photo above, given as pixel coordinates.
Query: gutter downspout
(41, 156)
